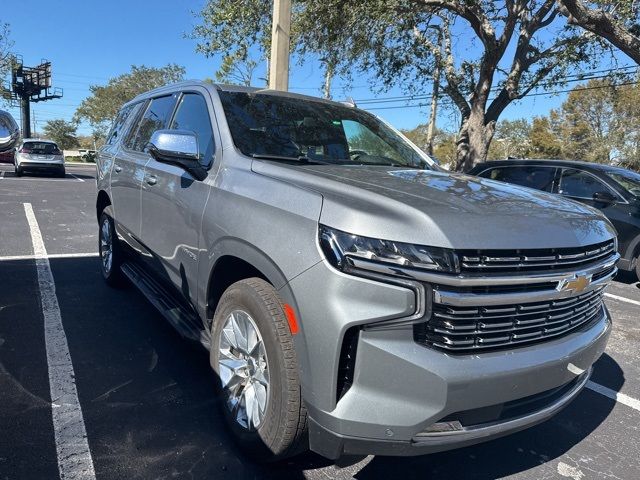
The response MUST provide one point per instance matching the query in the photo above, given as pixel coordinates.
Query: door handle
(117, 168)
(151, 180)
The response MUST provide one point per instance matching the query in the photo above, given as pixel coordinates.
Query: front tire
(253, 355)
(18, 170)
(638, 268)
(110, 253)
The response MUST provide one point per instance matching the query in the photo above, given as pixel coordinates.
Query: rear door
(540, 177)
(127, 173)
(173, 201)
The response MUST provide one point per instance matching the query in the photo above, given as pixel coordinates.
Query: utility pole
(280, 38)
(35, 131)
(31, 84)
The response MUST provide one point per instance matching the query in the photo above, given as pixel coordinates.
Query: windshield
(629, 180)
(270, 125)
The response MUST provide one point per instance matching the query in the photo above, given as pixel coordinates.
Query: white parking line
(622, 299)
(1, 174)
(612, 394)
(77, 178)
(9, 258)
(72, 447)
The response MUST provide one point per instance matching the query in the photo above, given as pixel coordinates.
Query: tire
(17, 170)
(638, 268)
(62, 172)
(108, 242)
(281, 432)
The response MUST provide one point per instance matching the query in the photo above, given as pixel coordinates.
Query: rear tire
(17, 170)
(62, 173)
(110, 252)
(638, 268)
(276, 427)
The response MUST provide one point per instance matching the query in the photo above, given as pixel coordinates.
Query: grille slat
(461, 329)
(529, 260)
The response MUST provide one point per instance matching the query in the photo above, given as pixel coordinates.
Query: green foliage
(102, 105)
(512, 139)
(62, 132)
(444, 143)
(5, 56)
(234, 30)
(545, 143)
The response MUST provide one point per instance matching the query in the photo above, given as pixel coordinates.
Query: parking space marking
(8, 258)
(612, 394)
(622, 299)
(1, 174)
(77, 178)
(72, 446)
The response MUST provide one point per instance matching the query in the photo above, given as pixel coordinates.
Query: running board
(186, 322)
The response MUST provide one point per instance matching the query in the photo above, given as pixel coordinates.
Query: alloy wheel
(243, 368)
(106, 245)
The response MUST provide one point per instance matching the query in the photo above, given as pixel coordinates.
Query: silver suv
(354, 298)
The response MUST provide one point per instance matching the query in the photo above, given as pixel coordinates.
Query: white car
(39, 155)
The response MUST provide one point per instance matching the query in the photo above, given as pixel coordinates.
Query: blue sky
(90, 41)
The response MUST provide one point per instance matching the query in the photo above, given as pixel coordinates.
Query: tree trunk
(474, 139)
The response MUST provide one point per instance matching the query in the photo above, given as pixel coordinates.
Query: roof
(231, 88)
(41, 140)
(548, 161)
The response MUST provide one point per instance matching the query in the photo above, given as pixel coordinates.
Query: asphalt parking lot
(146, 396)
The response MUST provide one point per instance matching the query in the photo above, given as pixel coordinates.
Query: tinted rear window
(41, 148)
(540, 178)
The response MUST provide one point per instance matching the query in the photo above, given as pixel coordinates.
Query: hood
(443, 209)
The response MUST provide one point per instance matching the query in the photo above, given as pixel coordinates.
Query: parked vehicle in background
(9, 137)
(36, 155)
(354, 297)
(613, 190)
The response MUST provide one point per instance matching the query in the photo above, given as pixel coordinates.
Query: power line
(568, 79)
(534, 94)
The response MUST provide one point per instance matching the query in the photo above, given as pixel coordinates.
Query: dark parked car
(614, 191)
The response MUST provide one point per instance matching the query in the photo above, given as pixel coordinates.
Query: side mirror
(604, 197)
(177, 147)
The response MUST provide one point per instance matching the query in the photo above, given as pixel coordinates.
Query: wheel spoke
(239, 333)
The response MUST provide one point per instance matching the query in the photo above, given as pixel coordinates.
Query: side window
(193, 114)
(540, 178)
(117, 129)
(155, 118)
(363, 141)
(579, 184)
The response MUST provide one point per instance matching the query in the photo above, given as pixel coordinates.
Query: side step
(184, 320)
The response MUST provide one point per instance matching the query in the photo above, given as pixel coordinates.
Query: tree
(615, 21)
(62, 132)
(545, 143)
(506, 58)
(512, 139)
(240, 33)
(444, 143)
(102, 105)
(6, 58)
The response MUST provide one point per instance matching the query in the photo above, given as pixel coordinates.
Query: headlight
(346, 251)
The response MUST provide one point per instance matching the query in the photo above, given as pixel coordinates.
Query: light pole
(280, 31)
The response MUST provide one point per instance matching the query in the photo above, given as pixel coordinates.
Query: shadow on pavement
(628, 278)
(148, 402)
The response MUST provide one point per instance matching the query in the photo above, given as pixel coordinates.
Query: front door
(173, 201)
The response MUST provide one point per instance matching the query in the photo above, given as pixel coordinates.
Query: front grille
(504, 261)
(466, 329)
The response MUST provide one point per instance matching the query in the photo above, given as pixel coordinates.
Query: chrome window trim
(621, 200)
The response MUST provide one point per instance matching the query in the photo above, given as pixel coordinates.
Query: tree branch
(602, 24)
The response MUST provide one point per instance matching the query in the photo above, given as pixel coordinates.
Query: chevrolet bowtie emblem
(576, 284)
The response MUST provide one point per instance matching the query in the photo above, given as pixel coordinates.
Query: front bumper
(400, 388)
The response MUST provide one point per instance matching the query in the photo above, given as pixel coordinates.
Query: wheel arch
(102, 202)
(236, 260)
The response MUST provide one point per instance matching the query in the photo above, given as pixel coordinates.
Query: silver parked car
(354, 297)
(39, 155)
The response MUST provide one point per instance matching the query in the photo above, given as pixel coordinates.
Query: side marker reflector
(291, 318)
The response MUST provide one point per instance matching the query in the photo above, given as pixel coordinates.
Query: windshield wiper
(285, 158)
